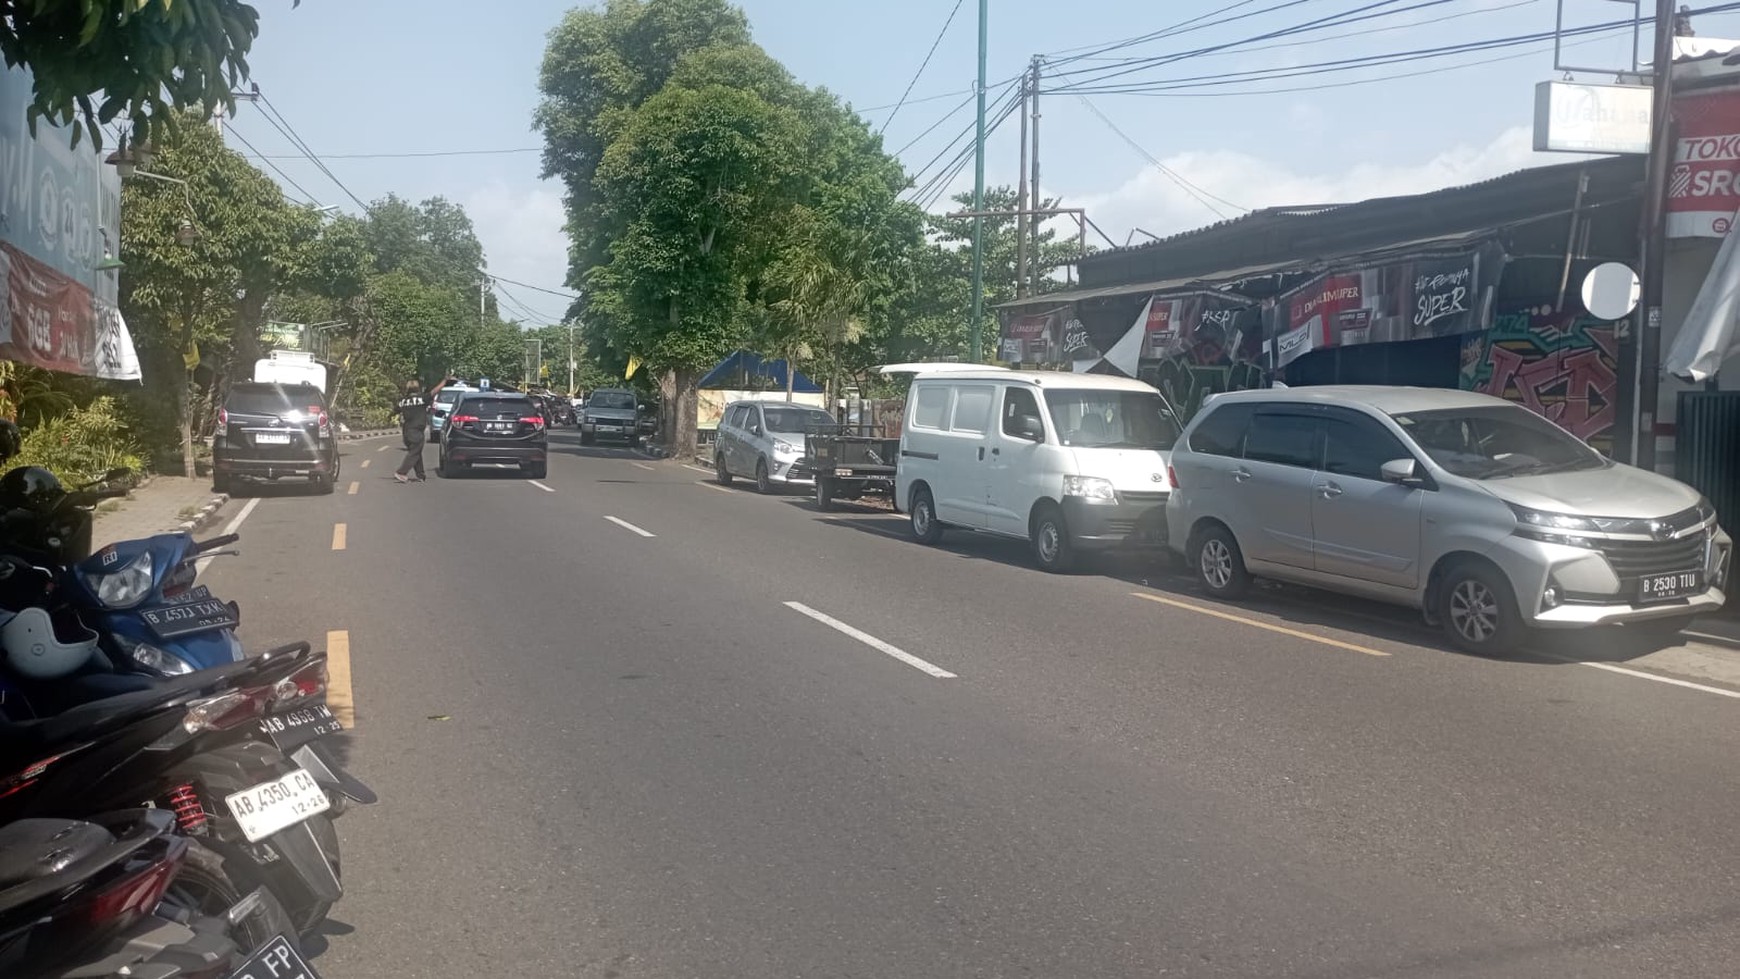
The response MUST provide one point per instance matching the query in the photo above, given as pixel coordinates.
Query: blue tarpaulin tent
(744, 371)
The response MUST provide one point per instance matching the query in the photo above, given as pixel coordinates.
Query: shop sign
(1704, 184)
(1571, 117)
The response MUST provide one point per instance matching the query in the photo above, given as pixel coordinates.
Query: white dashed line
(697, 468)
(1640, 675)
(542, 486)
(642, 465)
(871, 641)
(625, 525)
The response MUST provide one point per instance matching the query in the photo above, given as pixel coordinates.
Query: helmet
(30, 488)
(45, 647)
(10, 439)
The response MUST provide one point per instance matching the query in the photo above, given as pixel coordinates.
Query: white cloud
(1154, 202)
(521, 232)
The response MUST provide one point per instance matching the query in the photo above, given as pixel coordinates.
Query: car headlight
(124, 587)
(782, 447)
(1092, 489)
(1554, 528)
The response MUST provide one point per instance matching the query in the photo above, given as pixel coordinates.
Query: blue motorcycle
(143, 600)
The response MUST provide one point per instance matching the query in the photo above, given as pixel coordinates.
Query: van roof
(1389, 399)
(1042, 379)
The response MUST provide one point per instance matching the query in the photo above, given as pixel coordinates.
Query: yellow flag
(633, 365)
(190, 356)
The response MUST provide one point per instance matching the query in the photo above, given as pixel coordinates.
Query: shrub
(82, 444)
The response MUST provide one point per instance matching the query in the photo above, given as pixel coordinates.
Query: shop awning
(1708, 336)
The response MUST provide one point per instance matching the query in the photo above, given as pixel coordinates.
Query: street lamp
(127, 163)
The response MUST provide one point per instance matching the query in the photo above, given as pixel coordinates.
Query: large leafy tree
(95, 61)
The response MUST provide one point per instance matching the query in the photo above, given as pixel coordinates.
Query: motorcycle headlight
(124, 587)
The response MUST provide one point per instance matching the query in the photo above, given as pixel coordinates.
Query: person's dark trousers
(413, 453)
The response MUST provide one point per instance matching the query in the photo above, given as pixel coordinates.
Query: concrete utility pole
(1038, 198)
(977, 354)
(570, 359)
(482, 292)
(1661, 161)
(1021, 202)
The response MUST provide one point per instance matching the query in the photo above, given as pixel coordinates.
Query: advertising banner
(1118, 333)
(59, 209)
(1703, 192)
(1415, 298)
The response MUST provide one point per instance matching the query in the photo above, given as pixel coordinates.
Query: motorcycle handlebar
(200, 547)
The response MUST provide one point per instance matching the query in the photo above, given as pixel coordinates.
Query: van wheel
(1220, 565)
(824, 493)
(1479, 612)
(763, 483)
(926, 528)
(1053, 550)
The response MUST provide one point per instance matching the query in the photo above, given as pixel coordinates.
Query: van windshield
(1092, 419)
(1495, 442)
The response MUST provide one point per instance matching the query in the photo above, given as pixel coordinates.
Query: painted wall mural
(1562, 365)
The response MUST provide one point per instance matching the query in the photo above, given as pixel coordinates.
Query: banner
(60, 208)
(1412, 299)
(1703, 190)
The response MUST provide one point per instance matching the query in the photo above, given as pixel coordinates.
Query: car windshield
(271, 399)
(793, 421)
(612, 399)
(448, 397)
(1497, 441)
(1092, 419)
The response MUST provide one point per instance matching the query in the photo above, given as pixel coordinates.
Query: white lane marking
(385, 448)
(542, 486)
(711, 486)
(871, 641)
(199, 566)
(625, 525)
(697, 468)
(642, 465)
(1724, 640)
(1639, 674)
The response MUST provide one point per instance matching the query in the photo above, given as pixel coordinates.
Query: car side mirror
(1030, 428)
(1403, 472)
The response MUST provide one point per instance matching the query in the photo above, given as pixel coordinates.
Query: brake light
(137, 893)
(309, 681)
(1171, 476)
(536, 421)
(462, 419)
(223, 418)
(324, 423)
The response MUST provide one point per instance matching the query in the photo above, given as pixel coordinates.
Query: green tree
(203, 257)
(141, 58)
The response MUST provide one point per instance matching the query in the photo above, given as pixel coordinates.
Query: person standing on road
(413, 412)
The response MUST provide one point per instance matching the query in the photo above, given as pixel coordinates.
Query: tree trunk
(790, 377)
(688, 407)
(183, 398)
(668, 414)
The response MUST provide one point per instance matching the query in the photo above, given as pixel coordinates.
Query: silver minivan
(1481, 513)
(764, 441)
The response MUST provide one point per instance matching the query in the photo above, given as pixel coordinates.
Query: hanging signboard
(1703, 192)
(1572, 117)
(60, 208)
(1411, 299)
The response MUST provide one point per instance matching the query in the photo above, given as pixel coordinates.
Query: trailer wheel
(824, 493)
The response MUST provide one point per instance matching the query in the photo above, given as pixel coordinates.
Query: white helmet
(34, 650)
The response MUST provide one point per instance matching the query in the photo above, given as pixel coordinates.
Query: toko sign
(1571, 117)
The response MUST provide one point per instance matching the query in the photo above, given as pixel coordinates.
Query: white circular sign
(1611, 291)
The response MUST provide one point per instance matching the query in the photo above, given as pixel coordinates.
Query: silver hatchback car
(1484, 515)
(764, 440)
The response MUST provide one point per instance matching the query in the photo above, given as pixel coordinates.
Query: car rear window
(271, 399)
(497, 407)
(448, 397)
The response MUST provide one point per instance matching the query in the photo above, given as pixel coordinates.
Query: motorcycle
(145, 603)
(191, 746)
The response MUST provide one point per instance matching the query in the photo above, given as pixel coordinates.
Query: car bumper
(250, 467)
(511, 455)
(624, 432)
(1563, 587)
(795, 471)
(1104, 525)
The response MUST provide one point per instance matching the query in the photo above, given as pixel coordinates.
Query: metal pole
(570, 360)
(1038, 198)
(979, 191)
(1021, 204)
(1661, 153)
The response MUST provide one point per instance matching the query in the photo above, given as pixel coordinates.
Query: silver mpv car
(1481, 513)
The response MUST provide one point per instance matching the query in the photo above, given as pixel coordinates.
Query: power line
(514, 305)
(1006, 104)
(1182, 27)
(231, 130)
(276, 118)
(1199, 194)
(933, 126)
(923, 65)
(410, 156)
(523, 285)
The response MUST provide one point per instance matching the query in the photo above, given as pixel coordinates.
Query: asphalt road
(607, 754)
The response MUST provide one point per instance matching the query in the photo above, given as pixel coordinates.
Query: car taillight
(536, 421)
(223, 418)
(462, 419)
(1171, 476)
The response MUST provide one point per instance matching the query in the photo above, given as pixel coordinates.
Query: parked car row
(1486, 517)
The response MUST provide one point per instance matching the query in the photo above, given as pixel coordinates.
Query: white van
(1069, 462)
(290, 367)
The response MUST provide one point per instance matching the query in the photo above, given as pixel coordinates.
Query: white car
(764, 441)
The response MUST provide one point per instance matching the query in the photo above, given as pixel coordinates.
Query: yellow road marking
(365, 463)
(338, 695)
(338, 535)
(354, 486)
(1228, 616)
(712, 486)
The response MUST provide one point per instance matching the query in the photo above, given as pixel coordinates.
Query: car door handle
(1329, 490)
(981, 453)
(1241, 474)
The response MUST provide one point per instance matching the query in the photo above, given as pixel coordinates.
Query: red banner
(50, 321)
(1704, 184)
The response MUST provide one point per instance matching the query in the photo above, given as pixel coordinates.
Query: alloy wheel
(1216, 563)
(1473, 610)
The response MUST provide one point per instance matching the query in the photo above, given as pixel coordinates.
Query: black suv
(272, 431)
(495, 427)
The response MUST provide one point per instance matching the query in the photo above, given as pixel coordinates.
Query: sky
(436, 98)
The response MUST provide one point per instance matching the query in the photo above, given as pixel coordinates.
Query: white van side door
(1016, 458)
(971, 423)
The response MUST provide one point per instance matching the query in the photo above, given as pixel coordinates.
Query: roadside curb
(370, 434)
(207, 514)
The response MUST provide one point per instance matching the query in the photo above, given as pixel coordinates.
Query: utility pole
(482, 291)
(1661, 161)
(1038, 198)
(979, 192)
(570, 358)
(1021, 202)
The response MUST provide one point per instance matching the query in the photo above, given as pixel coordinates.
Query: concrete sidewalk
(163, 503)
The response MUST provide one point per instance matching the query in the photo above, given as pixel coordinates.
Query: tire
(926, 528)
(1220, 565)
(1477, 607)
(587, 439)
(763, 481)
(538, 472)
(201, 887)
(323, 485)
(824, 493)
(445, 469)
(720, 473)
(223, 484)
(1053, 550)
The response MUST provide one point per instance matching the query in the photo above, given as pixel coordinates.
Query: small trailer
(851, 462)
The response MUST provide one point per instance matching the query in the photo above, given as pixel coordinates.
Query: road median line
(631, 528)
(1258, 624)
(339, 533)
(873, 642)
(338, 691)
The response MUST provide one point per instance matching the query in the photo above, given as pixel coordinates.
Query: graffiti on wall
(1219, 357)
(1561, 365)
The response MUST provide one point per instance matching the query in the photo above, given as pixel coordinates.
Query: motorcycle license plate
(272, 438)
(277, 959)
(294, 728)
(277, 805)
(187, 618)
